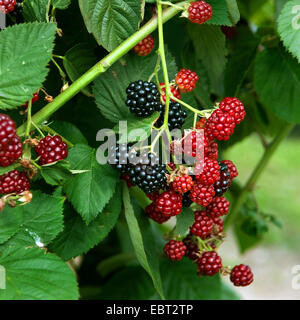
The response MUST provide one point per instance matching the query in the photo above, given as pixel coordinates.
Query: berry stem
(101, 67)
(269, 151)
(28, 124)
(61, 72)
(170, 4)
(203, 113)
(38, 129)
(161, 52)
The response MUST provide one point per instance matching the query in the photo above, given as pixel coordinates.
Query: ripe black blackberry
(186, 201)
(223, 184)
(118, 156)
(143, 98)
(148, 174)
(176, 118)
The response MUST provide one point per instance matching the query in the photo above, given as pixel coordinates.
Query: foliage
(79, 207)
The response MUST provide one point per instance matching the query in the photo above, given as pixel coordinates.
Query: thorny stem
(101, 67)
(161, 52)
(269, 151)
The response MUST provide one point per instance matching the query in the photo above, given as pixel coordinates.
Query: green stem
(201, 112)
(161, 52)
(28, 126)
(38, 129)
(269, 151)
(61, 72)
(99, 68)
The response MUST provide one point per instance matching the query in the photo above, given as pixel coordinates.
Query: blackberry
(148, 173)
(175, 250)
(7, 6)
(51, 149)
(186, 201)
(209, 264)
(7, 130)
(145, 46)
(14, 182)
(169, 203)
(155, 215)
(143, 98)
(200, 12)
(176, 118)
(223, 184)
(11, 152)
(118, 156)
(192, 248)
(241, 276)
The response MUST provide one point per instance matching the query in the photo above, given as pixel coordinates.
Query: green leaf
(233, 11)
(110, 88)
(141, 235)
(31, 274)
(136, 285)
(61, 4)
(77, 238)
(43, 217)
(135, 123)
(78, 60)
(10, 222)
(220, 14)
(23, 66)
(184, 220)
(35, 10)
(277, 82)
(89, 192)
(209, 43)
(289, 27)
(189, 286)
(4, 170)
(239, 63)
(69, 131)
(111, 21)
(56, 174)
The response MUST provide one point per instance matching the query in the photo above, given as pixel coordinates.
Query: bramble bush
(115, 118)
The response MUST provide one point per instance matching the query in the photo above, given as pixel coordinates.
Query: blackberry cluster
(119, 157)
(143, 98)
(176, 118)
(148, 173)
(14, 182)
(51, 149)
(223, 184)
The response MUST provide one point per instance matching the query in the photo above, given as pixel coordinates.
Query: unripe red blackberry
(224, 182)
(7, 6)
(218, 207)
(175, 250)
(172, 166)
(183, 183)
(14, 182)
(234, 108)
(7, 130)
(231, 168)
(203, 224)
(211, 150)
(202, 195)
(51, 149)
(209, 264)
(154, 214)
(174, 90)
(11, 152)
(220, 125)
(145, 46)
(169, 203)
(218, 226)
(186, 80)
(207, 172)
(199, 12)
(34, 99)
(241, 276)
(192, 248)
